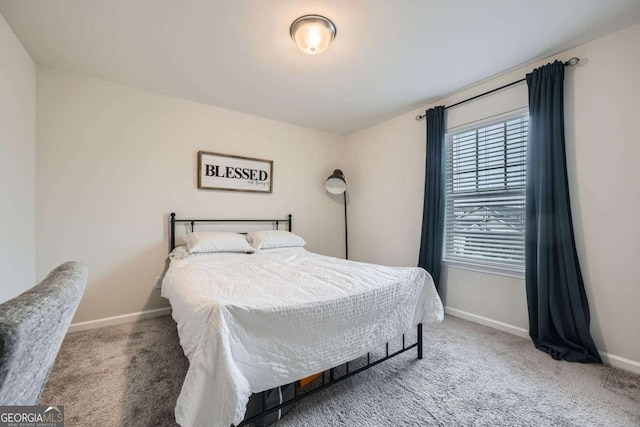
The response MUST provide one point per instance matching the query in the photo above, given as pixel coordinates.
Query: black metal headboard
(173, 220)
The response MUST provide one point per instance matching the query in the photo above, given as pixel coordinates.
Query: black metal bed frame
(173, 221)
(331, 373)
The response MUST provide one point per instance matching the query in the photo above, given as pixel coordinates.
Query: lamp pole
(336, 184)
(346, 235)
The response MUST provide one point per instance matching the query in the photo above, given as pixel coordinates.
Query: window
(486, 194)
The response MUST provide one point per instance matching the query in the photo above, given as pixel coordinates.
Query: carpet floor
(471, 375)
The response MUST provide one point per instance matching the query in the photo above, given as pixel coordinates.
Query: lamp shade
(336, 184)
(312, 33)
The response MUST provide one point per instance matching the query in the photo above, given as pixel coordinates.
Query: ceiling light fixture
(312, 33)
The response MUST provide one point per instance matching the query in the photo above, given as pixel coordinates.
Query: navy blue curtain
(558, 307)
(430, 257)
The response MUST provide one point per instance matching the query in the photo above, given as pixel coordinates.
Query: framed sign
(234, 173)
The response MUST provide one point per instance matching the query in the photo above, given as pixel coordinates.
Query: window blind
(485, 194)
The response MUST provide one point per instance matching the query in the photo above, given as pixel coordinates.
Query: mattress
(251, 322)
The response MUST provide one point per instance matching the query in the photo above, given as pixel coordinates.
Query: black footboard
(330, 377)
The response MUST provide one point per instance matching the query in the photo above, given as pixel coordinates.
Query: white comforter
(248, 323)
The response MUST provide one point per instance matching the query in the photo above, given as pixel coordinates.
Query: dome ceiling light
(312, 33)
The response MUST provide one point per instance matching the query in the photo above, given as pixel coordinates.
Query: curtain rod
(570, 63)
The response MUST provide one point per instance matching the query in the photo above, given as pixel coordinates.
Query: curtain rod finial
(419, 117)
(572, 61)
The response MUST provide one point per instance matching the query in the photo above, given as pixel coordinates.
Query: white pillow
(269, 239)
(217, 241)
(179, 253)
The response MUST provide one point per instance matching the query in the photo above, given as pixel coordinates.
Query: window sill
(517, 274)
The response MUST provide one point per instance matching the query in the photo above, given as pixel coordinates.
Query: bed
(252, 322)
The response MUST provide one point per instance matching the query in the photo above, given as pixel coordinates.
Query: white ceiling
(388, 57)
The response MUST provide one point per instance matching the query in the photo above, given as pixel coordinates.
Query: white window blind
(485, 196)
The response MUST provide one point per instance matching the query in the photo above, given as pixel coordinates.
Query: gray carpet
(471, 375)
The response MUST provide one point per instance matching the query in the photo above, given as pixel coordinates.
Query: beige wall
(113, 161)
(386, 181)
(17, 165)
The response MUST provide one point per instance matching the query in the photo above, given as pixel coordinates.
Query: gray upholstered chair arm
(32, 327)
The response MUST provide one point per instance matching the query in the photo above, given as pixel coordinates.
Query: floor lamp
(336, 184)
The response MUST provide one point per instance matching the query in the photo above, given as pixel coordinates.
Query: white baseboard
(501, 326)
(608, 359)
(116, 320)
(620, 362)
